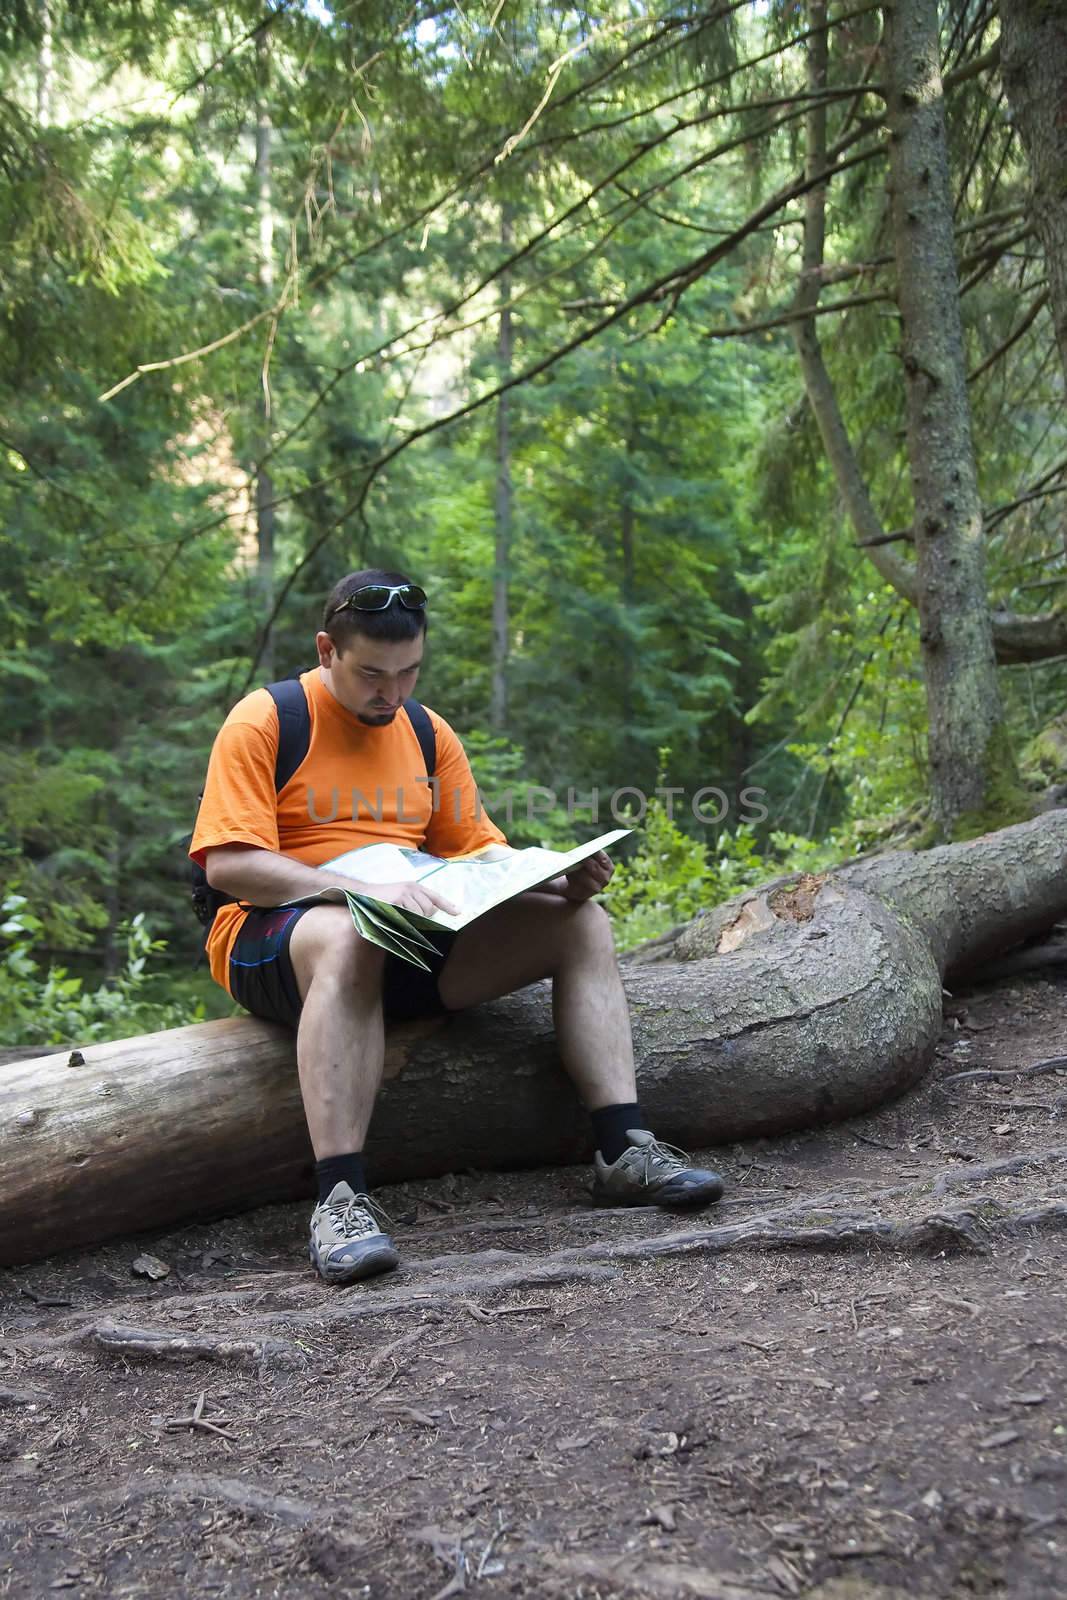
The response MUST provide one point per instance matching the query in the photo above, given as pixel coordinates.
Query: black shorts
(262, 979)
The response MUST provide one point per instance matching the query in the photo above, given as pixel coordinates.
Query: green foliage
(1044, 759)
(671, 876)
(679, 572)
(58, 1008)
(525, 811)
(667, 880)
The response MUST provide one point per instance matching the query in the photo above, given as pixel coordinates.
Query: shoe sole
(368, 1266)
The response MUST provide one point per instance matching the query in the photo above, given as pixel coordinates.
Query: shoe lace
(667, 1158)
(356, 1218)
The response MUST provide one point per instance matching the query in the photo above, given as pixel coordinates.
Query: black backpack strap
(419, 718)
(294, 728)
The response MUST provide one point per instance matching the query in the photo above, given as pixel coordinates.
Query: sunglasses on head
(379, 596)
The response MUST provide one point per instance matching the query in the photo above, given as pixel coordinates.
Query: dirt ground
(845, 1381)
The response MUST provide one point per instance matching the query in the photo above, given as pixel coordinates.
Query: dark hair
(395, 624)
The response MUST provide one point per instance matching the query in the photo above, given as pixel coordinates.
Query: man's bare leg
(340, 1043)
(542, 935)
(340, 1048)
(545, 936)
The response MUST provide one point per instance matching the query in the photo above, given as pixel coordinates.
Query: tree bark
(806, 1001)
(967, 741)
(969, 752)
(1033, 59)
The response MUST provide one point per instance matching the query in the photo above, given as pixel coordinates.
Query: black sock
(609, 1128)
(341, 1169)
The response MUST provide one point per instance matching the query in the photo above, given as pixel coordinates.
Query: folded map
(475, 886)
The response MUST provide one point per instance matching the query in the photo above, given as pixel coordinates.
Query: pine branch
(822, 397)
(682, 277)
(1025, 323)
(742, 330)
(528, 249)
(262, 27)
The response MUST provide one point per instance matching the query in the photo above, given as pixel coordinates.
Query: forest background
(628, 332)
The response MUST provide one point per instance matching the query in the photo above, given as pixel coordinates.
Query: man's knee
(326, 946)
(589, 924)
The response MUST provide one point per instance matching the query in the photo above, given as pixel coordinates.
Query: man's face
(373, 677)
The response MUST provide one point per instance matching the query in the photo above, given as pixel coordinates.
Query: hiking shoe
(649, 1173)
(347, 1242)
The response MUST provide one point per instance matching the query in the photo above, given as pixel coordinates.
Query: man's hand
(585, 880)
(410, 897)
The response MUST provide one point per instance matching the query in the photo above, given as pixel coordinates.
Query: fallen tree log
(807, 1000)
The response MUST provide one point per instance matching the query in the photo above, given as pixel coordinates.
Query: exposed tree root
(353, 1304)
(963, 1232)
(1010, 1167)
(1033, 958)
(21, 1397)
(835, 1220)
(940, 1233)
(237, 1493)
(121, 1339)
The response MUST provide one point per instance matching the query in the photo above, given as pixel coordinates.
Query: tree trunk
(498, 694)
(1016, 638)
(265, 269)
(1033, 63)
(805, 1001)
(969, 752)
(46, 65)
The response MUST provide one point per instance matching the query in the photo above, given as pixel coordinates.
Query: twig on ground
(40, 1299)
(1014, 1105)
(198, 1420)
(487, 1552)
(458, 1582)
(412, 1336)
(987, 1074)
(490, 1314)
(372, 1394)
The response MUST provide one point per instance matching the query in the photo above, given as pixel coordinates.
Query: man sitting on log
(363, 780)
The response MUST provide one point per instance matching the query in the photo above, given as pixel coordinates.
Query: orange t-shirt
(356, 785)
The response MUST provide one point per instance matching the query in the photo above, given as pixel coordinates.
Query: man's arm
(267, 878)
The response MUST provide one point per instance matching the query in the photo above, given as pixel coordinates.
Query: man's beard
(376, 719)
